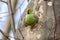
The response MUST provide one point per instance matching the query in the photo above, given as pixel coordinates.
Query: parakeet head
(29, 11)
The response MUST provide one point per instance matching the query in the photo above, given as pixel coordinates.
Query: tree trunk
(45, 26)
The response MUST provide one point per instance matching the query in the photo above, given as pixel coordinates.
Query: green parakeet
(29, 19)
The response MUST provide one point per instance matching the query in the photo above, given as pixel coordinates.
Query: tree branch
(3, 1)
(55, 21)
(4, 34)
(8, 37)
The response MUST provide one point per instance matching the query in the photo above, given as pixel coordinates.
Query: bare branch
(4, 34)
(3, 1)
(8, 37)
(21, 33)
(55, 20)
(12, 19)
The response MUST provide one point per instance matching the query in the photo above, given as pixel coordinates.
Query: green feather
(29, 17)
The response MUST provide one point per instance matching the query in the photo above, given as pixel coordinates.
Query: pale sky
(19, 12)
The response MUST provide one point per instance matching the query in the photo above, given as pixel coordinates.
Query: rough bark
(45, 25)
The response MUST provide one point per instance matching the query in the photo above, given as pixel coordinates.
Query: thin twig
(55, 20)
(21, 33)
(7, 36)
(12, 19)
(3, 1)
(4, 34)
